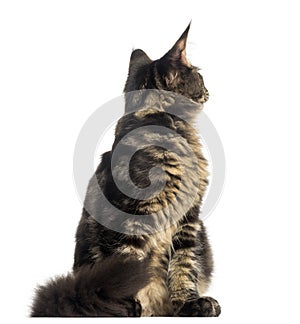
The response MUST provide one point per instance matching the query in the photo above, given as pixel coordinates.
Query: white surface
(60, 60)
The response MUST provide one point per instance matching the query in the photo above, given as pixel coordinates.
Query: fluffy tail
(106, 289)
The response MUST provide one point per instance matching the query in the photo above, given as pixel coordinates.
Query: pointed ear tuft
(177, 53)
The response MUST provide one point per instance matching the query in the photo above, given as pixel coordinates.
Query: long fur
(166, 94)
(164, 228)
(105, 289)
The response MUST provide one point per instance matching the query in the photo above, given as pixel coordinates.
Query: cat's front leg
(190, 271)
(201, 307)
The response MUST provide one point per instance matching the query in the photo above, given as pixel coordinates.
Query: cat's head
(172, 72)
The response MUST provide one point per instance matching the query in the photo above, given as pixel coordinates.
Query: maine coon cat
(157, 147)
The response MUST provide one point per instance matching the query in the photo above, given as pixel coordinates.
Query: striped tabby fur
(166, 93)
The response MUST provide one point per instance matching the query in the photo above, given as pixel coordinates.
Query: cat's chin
(199, 103)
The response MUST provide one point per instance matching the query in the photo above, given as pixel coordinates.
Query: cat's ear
(177, 54)
(138, 58)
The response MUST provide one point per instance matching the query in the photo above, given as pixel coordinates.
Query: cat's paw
(135, 309)
(202, 307)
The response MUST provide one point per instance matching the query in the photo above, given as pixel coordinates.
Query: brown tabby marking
(167, 93)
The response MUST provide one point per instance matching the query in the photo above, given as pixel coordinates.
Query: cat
(162, 99)
(105, 289)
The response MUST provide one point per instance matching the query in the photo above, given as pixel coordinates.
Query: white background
(61, 60)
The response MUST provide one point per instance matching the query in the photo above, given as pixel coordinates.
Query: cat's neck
(162, 100)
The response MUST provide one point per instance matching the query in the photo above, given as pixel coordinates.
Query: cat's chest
(160, 242)
(150, 245)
